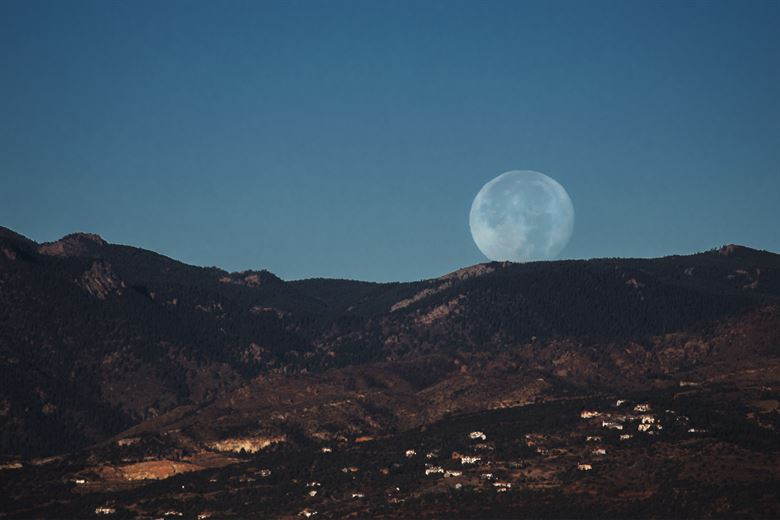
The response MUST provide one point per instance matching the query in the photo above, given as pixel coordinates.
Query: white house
(611, 425)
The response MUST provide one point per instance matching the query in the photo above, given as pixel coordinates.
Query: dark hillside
(95, 337)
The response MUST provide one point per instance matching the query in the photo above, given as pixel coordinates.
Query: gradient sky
(348, 139)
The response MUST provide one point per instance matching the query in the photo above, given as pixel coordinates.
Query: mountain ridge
(84, 237)
(126, 367)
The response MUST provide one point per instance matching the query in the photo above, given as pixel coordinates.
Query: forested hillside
(95, 337)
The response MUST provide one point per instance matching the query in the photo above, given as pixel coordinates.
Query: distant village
(478, 468)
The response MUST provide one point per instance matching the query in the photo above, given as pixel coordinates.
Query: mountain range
(134, 385)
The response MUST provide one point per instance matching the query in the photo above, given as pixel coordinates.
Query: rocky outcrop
(251, 278)
(100, 280)
(448, 280)
(76, 244)
(425, 293)
(247, 444)
(474, 271)
(441, 311)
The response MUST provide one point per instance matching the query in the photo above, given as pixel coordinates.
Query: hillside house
(502, 487)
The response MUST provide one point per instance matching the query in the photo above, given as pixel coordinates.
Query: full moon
(521, 216)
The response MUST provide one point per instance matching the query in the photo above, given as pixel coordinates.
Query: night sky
(348, 139)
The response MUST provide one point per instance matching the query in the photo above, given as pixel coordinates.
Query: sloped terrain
(134, 385)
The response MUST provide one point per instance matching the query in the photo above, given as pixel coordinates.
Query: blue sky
(348, 139)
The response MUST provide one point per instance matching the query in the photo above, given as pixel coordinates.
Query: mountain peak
(739, 251)
(74, 244)
(91, 237)
(730, 249)
(13, 235)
